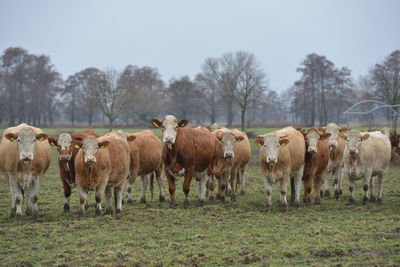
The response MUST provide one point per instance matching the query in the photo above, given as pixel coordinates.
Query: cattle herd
(215, 157)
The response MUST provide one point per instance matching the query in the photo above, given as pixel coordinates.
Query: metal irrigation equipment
(382, 105)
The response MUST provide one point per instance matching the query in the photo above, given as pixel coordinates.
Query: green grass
(231, 233)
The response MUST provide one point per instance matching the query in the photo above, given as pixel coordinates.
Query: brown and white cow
(335, 166)
(24, 159)
(366, 155)
(146, 158)
(282, 160)
(186, 149)
(316, 162)
(66, 159)
(102, 164)
(232, 155)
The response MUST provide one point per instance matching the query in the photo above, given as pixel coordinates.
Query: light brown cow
(146, 158)
(186, 149)
(66, 159)
(281, 160)
(366, 155)
(232, 156)
(335, 166)
(316, 162)
(24, 159)
(102, 164)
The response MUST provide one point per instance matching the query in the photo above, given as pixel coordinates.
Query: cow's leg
(67, 194)
(307, 181)
(326, 193)
(268, 189)
(186, 186)
(161, 197)
(283, 190)
(202, 188)
(372, 197)
(318, 179)
(337, 181)
(297, 185)
(242, 177)
(223, 182)
(13, 208)
(129, 185)
(82, 200)
(292, 191)
(33, 191)
(143, 188)
(18, 198)
(99, 194)
(118, 194)
(381, 177)
(233, 184)
(210, 187)
(171, 188)
(366, 182)
(351, 189)
(108, 197)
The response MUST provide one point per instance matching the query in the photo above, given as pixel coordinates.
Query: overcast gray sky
(176, 36)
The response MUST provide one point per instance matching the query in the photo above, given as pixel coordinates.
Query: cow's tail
(152, 184)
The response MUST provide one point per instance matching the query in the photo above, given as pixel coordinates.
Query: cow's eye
(18, 141)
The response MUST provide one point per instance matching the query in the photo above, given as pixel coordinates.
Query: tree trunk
(229, 118)
(242, 123)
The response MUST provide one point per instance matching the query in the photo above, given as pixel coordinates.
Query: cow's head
(335, 132)
(90, 146)
(170, 126)
(354, 141)
(395, 140)
(271, 142)
(228, 140)
(26, 140)
(311, 136)
(64, 146)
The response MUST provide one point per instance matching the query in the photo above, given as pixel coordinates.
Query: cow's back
(242, 150)
(149, 151)
(296, 145)
(196, 148)
(376, 151)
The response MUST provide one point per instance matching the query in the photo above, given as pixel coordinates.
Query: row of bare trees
(231, 88)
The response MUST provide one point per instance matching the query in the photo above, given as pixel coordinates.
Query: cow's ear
(76, 144)
(156, 123)
(344, 129)
(41, 137)
(239, 138)
(259, 140)
(103, 144)
(11, 137)
(283, 141)
(364, 137)
(131, 138)
(52, 141)
(299, 129)
(324, 136)
(182, 123)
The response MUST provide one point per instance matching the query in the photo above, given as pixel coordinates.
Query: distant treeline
(232, 89)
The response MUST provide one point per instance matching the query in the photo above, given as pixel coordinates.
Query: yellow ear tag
(154, 124)
(258, 144)
(11, 139)
(102, 147)
(283, 144)
(76, 146)
(41, 139)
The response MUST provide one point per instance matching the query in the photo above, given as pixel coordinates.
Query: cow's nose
(27, 156)
(312, 149)
(64, 157)
(333, 144)
(228, 155)
(353, 150)
(271, 160)
(168, 139)
(90, 160)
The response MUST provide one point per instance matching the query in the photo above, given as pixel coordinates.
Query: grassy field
(230, 233)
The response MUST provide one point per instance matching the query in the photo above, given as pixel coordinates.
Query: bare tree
(112, 97)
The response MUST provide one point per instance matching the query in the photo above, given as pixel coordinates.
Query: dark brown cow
(316, 162)
(186, 149)
(395, 140)
(66, 159)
